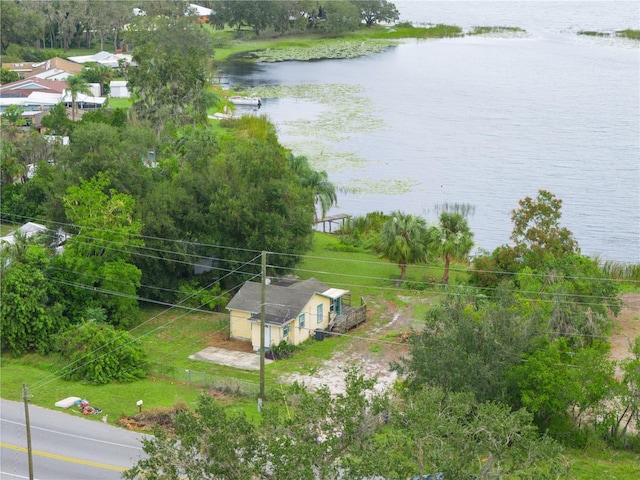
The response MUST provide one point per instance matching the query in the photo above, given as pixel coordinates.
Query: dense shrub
(99, 354)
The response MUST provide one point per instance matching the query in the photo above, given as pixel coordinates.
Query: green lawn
(6, 229)
(45, 389)
(365, 273)
(603, 464)
(119, 102)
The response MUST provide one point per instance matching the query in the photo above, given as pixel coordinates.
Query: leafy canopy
(403, 240)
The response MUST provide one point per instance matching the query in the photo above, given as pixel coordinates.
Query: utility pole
(28, 425)
(263, 299)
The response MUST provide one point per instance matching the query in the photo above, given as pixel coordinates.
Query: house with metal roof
(294, 311)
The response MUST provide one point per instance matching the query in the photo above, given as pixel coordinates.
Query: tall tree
(121, 16)
(539, 240)
(98, 73)
(332, 17)
(377, 11)
(403, 240)
(29, 313)
(324, 191)
(20, 152)
(576, 296)
(57, 122)
(451, 239)
(207, 443)
(97, 258)
(324, 435)
(439, 431)
(108, 18)
(77, 84)
(537, 231)
(169, 83)
(356, 434)
(13, 115)
(68, 14)
(257, 200)
(469, 344)
(256, 14)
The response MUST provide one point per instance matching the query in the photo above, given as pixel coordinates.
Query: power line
(40, 383)
(301, 256)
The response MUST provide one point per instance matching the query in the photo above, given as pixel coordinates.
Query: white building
(119, 89)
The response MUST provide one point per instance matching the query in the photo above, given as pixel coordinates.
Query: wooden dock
(332, 221)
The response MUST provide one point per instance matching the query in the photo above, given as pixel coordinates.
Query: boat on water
(220, 116)
(248, 101)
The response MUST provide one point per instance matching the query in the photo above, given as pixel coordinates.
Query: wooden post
(28, 425)
(263, 297)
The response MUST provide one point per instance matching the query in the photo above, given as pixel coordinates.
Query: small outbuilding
(118, 89)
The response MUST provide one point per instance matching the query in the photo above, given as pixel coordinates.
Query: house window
(301, 320)
(320, 313)
(285, 331)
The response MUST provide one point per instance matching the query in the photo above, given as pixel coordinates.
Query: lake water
(479, 120)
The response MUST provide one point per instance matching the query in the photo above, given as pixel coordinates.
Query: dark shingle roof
(282, 303)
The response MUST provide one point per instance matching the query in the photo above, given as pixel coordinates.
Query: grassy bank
(312, 46)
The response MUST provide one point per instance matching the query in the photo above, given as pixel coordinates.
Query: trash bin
(319, 334)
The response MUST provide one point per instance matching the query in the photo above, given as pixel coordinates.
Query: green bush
(283, 350)
(98, 353)
(213, 299)
(361, 232)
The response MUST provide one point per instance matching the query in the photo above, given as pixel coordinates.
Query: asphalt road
(64, 447)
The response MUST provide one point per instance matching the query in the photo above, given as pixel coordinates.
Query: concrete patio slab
(230, 358)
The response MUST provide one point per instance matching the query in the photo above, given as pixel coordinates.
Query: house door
(267, 336)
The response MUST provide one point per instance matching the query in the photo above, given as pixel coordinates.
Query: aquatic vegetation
(387, 186)
(405, 31)
(346, 114)
(629, 33)
(333, 49)
(590, 33)
(498, 31)
(323, 157)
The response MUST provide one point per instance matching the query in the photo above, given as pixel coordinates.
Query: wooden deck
(350, 318)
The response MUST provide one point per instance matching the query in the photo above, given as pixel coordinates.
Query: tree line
(29, 26)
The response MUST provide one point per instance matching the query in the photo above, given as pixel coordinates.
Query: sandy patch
(375, 361)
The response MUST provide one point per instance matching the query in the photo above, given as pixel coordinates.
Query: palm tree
(76, 85)
(17, 251)
(324, 192)
(402, 240)
(105, 74)
(451, 239)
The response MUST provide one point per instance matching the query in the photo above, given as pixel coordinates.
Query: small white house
(119, 89)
